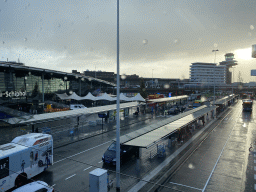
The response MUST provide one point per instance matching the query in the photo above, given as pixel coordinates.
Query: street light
(214, 71)
(117, 108)
(152, 78)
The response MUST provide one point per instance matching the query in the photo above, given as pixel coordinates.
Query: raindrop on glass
(176, 41)
(251, 27)
(5, 0)
(166, 86)
(191, 166)
(123, 77)
(25, 39)
(145, 41)
(215, 45)
(3, 42)
(200, 39)
(249, 34)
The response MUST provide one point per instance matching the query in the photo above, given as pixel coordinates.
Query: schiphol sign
(13, 94)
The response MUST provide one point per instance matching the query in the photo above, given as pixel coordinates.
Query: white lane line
(254, 176)
(87, 168)
(254, 168)
(254, 160)
(186, 186)
(254, 186)
(70, 177)
(254, 155)
(100, 162)
(220, 156)
(82, 152)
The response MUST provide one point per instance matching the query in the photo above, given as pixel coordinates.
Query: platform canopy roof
(224, 99)
(46, 117)
(153, 133)
(168, 99)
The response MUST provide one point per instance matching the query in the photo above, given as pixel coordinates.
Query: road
(222, 162)
(225, 160)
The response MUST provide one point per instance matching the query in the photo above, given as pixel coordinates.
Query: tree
(35, 91)
(143, 91)
(239, 78)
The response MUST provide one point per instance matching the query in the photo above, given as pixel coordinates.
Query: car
(126, 152)
(36, 186)
(173, 111)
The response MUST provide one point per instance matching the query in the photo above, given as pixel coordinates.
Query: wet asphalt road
(72, 174)
(227, 147)
(224, 161)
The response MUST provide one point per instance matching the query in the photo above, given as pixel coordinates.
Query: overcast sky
(163, 35)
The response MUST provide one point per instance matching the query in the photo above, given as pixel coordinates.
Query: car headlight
(114, 159)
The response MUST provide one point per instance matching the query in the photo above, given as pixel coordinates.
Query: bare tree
(239, 78)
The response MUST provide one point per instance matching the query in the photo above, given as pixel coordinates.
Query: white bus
(25, 157)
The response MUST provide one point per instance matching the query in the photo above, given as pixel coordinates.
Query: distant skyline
(165, 35)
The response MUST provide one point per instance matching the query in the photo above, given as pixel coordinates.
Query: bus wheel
(40, 163)
(21, 180)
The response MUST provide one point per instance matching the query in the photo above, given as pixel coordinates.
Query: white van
(77, 106)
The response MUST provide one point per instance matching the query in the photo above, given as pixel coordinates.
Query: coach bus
(247, 105)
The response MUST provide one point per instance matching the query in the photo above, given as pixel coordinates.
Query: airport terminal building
(24, 86)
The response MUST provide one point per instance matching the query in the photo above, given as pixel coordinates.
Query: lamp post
(214, 71)
(152, 78)
(117, 108)
(233, 79)
(25, 85)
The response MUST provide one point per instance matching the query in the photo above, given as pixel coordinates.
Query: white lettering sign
(14, 94)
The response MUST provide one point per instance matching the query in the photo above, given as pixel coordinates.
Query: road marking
(254, 168)
(70, 177)
(254, 176)
(82, 152)
(254, 155)
(185, 186)
(220, 156)
(87, 168)
(53, 185)
(100, 162)
(254, 186)
(254, 160)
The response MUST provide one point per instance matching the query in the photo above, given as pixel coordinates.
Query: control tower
(229, 63)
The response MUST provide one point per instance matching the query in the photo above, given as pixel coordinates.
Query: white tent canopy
(137, 97)
(89, 96)
(105, 96)
(124, 98)
(63, 96)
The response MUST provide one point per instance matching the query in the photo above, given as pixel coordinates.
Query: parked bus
(25, 157)
(247, 105)
(198, 103)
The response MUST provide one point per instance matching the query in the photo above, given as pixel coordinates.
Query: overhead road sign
(253, 72)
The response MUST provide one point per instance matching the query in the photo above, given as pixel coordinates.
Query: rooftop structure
(229, 63)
